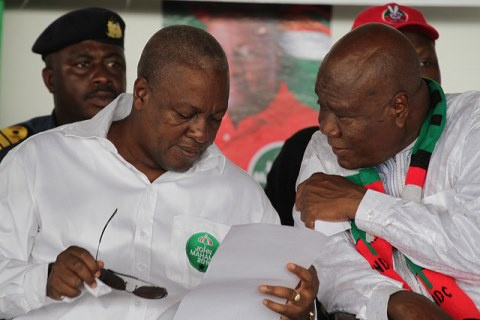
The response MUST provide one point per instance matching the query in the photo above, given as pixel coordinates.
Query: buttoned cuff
(36, 286)
(370, 216)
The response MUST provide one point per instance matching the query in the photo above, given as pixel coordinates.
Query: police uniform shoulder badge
(12, 135)
(200, 249)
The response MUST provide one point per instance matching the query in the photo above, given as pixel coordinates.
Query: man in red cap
(411, 23)
(280, 187)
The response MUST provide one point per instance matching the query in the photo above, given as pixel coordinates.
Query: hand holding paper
(300, 301)
(249, 256)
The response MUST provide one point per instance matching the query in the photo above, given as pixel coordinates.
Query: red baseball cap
(397, 16)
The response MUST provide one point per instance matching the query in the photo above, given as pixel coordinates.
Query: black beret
(84, 24)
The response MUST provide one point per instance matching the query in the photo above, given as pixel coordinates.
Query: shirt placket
(143, 245)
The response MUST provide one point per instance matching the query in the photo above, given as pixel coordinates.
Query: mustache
(102, 89)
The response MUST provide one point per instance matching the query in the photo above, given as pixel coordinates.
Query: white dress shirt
(59, 188)
(441, 233)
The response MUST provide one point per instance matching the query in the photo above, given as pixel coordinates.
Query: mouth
(192, 153)
(101, 98)
(339, 151)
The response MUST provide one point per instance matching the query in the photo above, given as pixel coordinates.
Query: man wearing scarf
(393, 177)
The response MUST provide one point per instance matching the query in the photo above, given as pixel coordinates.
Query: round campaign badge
(200, 249)
(394, 15)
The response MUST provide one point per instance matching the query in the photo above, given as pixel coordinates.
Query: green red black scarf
(444, 290)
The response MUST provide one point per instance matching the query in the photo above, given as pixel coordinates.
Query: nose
(101, 74)
(199, 130)
(328, 124)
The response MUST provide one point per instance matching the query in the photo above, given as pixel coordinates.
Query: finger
(279, 291)
(78, 261)
(298, 197)
(101, 265)
(86, 258)
(301, 272)
(86, 267)
(308, 219)
(58, 287)
(53, 293)
(281, 309)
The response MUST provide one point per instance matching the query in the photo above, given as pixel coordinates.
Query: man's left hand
(300, 301)
(327, 197)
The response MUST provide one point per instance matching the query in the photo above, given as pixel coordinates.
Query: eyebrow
(111, 54)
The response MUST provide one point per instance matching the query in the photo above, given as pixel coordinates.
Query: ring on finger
(297, 297)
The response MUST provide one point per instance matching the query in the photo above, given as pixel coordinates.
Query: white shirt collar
(120, 108)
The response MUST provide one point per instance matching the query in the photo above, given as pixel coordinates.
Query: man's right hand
(73, 267)
(408, 305)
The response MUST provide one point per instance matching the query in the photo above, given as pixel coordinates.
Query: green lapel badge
(200, 249)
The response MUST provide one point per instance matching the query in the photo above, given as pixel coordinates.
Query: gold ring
(297, 297)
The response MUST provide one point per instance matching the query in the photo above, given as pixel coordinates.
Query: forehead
(419, 40)
(349, 93)
(91, 47)
(194, 84)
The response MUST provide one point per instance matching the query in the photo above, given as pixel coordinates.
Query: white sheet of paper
(325, 227)
(331, 228)
(250, 255)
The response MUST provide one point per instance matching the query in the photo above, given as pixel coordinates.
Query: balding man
(139, 189)
(281, 179)
(396, 184)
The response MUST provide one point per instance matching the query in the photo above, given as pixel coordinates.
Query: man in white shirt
(396, 165)
(139, 189)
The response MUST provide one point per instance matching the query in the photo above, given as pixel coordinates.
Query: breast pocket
(193, 243)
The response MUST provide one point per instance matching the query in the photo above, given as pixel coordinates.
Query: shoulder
(459, 101)
(463, 108)
(301, 137)
(13, 135)
(235, 175)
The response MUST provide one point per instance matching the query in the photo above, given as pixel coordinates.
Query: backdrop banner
(274, 52)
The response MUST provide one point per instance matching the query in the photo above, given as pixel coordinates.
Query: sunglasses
(120, 281)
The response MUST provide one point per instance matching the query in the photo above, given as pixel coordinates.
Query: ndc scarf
(443, 289)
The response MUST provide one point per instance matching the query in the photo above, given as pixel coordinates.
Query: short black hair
(180, 44)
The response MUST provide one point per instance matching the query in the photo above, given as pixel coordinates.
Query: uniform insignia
(114, 30)
(12, 135)
(200, 249)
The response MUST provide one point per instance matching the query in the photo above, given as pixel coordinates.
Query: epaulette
(13, 135)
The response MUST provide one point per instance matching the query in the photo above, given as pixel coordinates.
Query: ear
(47, 75)
(400, 108)
(141, 93)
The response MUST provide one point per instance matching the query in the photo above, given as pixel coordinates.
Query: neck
(131, 150)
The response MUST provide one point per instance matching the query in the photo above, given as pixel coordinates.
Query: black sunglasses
(120, 281)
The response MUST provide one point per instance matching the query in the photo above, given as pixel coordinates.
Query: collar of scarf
(444, 290)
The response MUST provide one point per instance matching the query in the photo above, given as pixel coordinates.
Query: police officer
(84, 70)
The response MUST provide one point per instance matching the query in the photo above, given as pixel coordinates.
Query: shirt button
(144, 234)
(141, 267)
(370, 215)
(138, 303)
